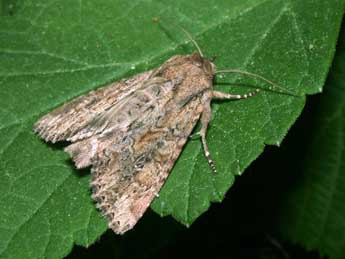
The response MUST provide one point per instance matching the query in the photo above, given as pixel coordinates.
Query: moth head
(197, 57)
(207, 66)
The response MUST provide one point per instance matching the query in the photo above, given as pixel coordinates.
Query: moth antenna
(274, 85)
(189, 36)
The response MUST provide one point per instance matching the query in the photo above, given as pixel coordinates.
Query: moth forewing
(71, 120)
(132, 132)
(124, 190)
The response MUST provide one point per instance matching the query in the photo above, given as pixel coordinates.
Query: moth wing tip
(120, 223)
(118, 228)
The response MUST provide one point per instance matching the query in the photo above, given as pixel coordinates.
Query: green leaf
(53, 51)
(314, 211)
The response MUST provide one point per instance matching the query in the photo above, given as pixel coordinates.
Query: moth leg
(221, 95)
(205, 119)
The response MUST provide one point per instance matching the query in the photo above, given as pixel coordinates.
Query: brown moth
(132, 131)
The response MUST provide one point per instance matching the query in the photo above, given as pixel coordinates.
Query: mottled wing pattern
(75, 119)
(132, 132)
(117, 126)
(128, 176)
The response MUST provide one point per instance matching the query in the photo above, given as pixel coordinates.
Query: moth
(132, 131)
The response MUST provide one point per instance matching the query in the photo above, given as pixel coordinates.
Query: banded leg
(221, 95)
(205, 119)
